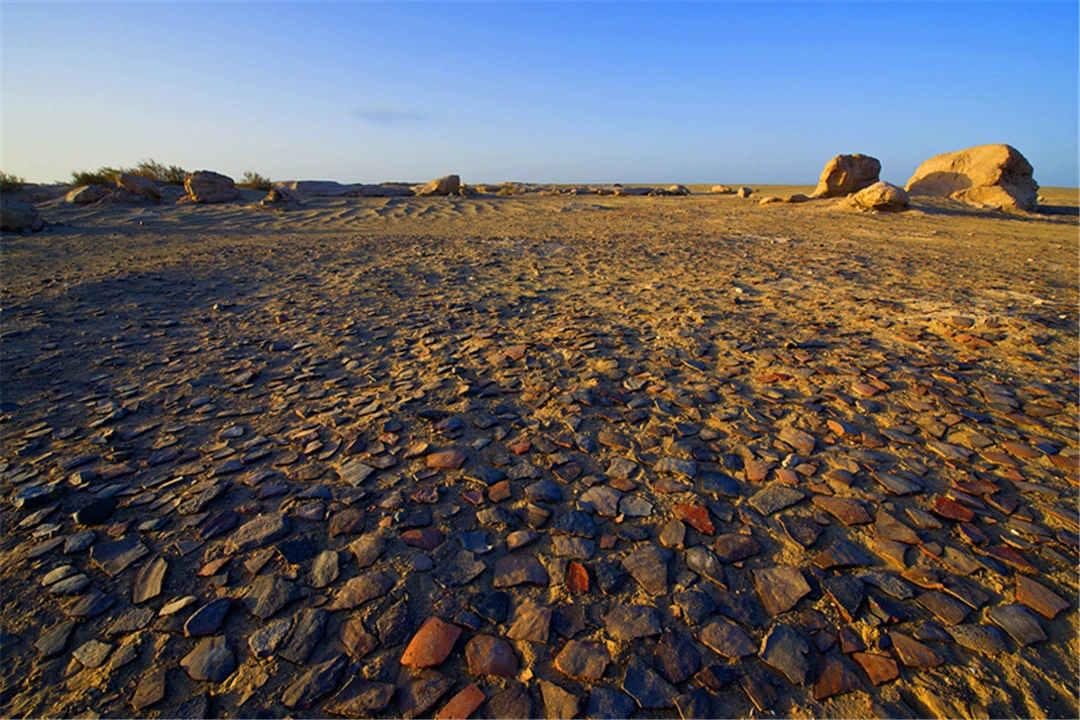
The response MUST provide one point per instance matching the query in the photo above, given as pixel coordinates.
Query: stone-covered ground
(529, 457)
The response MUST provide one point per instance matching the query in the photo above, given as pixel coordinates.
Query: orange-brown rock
(997, 176)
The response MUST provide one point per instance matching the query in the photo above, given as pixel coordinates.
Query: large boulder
(994, 175)
(86, 194)
(139, 186)
(449, 185)
(846, 174)
(722, 190)
(882, 196)
(19, 216)
(207, 186)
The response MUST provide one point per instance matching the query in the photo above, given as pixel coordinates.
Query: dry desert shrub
(10, 182)
(254, 181)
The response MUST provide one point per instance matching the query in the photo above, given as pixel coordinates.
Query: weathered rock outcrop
(19, 216)
(448, 185)
(882, 196)
(86, 194)
(846, 174)
(722, 190)
(206, 186)
(997, 176)
(277, 200)
(139, 187)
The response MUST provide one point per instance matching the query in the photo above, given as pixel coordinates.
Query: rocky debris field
(651, 457)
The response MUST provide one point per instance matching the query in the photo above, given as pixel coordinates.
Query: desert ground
(637, 456)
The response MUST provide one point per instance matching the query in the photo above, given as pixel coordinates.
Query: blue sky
(546, 92)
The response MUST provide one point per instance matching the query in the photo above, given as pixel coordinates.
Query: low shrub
(10, 182)
(254, 181)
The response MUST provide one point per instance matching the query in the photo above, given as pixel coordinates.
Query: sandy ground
(542, 338)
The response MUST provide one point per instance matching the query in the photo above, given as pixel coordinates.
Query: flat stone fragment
(265, 641)
(462, 705)
(727, 639)
(414, 699)
(212, 660)
(1039, 598)
(775, 497)
(583, 659)
(879, 668)
(800, 528)
(307, 632)
(608, 704)
(573, 547)
(802, 442)
(314, 683)
(357, 640)
(114, 557)
(601, 499)
(758, 686)
(1016, 620)
(700, 560)
(913, 653)
(150, 690)
(129, 621)
(89, 605)
(891, 528)
(395, 625)
(943, 607)
(92, 653)
(148, 582)
(355, 472)
(847, 592)
(676, 466)
(360, 698)
(649, 566)
(648, 689)
(676, 658)
(785, 650)
(842, 553)
(490, 655)
(733, 547)
(349, 521)
(532, 622)
(362, 589)
(846, 510)
(511, 570)
(512, 702)
(694, 704)
(835, 677)
(258, 533)
(431, 645)
(696, 516)
(446, 460)
(629, 622)
(207, 619)
(559, 704)
(780, 588)
(269, 593)
(982, 638)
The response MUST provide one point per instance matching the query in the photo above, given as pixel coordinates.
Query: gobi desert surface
(648, 457)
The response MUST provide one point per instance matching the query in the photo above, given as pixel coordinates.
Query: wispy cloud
(389, 117)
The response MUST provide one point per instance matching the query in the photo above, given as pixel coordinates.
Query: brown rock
(462, 705)
(696, 517)
(577, 578)
(489, 655)
(846, 510)
(447, 185)
(994, 175)
(206, 186)
(835, 677)
(846, 174)
(583, 659)
(431, 644)
(139, 186)
(513, 570)
(85, 195)
(882, 196)
(362, 589)
(879, 668)
(780, 588)
(727, 639)
(532, 622)
(559, 704)
(446, 460)
(913, 653)
(1039, 598)
(733, 547)
(889, 528)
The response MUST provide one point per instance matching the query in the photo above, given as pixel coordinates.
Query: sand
(938, 344)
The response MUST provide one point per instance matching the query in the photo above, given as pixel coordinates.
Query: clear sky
(547, 92)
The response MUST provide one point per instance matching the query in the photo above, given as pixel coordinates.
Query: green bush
(102, 176)
(10, 182)
(169, 174)
(254, 181)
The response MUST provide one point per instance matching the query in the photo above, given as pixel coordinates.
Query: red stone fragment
(946, 508)
(431, 644)
(446, 459)
(425, 539)
(577, 578)
(881, 669)
(499, 491)
(462, 705)
(696, 517)
(520, 448)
